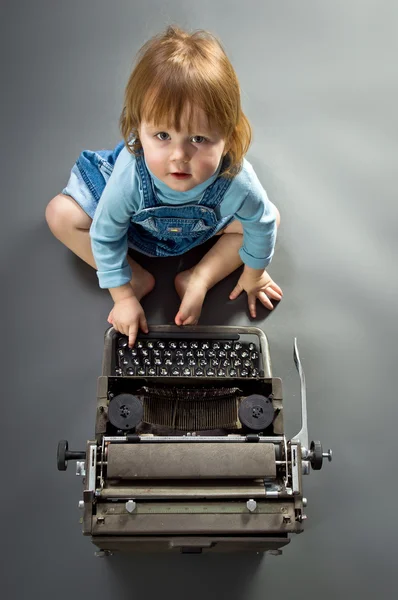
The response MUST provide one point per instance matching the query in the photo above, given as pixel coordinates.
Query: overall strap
(150, 198)
(216, 191)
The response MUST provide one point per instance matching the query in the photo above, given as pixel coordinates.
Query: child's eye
(201, 137)
(161, 133)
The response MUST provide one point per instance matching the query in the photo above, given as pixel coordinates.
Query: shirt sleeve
(258, 217)
(108, 231)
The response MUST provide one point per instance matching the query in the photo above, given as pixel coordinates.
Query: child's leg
(70, 224)
(221, 260)
(193, 285)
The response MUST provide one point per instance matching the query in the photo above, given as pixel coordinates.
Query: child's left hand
(258, 284)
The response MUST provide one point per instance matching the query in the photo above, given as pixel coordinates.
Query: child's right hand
(127, 316)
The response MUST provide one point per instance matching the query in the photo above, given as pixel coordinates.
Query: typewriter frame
(196, 515)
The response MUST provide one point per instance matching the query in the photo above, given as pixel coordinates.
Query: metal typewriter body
(192, 463)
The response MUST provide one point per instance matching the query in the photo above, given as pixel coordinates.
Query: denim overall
(157, 229)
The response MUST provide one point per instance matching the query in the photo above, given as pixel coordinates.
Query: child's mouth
(181, 175)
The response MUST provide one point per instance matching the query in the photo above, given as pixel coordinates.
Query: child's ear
(226, 148)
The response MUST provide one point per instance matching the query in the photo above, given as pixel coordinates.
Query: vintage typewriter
(190, 453)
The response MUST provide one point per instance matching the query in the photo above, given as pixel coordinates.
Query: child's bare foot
(142, 283)
(192, 292)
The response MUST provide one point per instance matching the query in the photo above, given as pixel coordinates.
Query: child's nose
(180, 154)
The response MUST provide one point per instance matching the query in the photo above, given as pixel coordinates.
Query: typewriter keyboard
(187, 358)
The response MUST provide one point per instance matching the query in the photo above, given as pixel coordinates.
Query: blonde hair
(174, 70)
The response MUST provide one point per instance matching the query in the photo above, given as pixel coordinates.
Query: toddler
(178, 178)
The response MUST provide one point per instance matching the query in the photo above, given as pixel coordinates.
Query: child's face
(167, 152)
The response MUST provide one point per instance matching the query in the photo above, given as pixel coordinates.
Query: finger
(191, 321)
(235, 292)
(251, 299)
(144, 324)
(273, 294)
(276, 288)
(262, 296)
(133, 329)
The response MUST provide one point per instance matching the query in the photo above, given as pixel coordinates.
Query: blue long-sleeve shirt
(245, 199)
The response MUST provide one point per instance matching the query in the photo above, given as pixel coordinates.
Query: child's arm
(108, 233)
(249, 203)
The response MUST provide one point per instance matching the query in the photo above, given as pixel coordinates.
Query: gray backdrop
(319, 85)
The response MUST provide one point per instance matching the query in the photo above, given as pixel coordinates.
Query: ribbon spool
(256, 412)
(125, 411)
